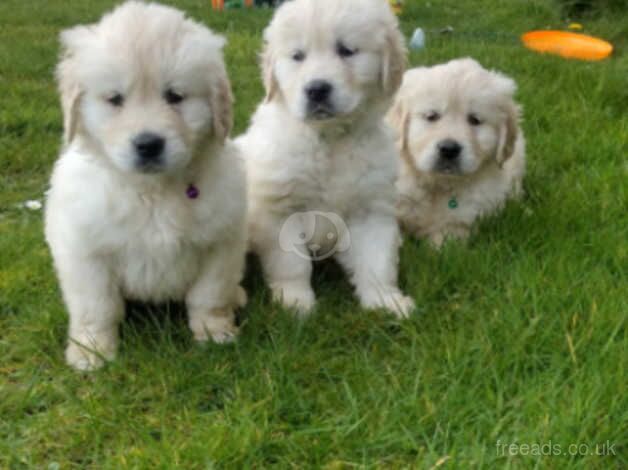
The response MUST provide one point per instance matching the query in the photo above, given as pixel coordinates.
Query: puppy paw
(241, 297)
(89, 352)
(298, 297)
(218, 324)
(438, 239)
(392, 300)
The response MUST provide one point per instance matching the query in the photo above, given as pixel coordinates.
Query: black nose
(449, 149)
(149, 146)
(318, 91)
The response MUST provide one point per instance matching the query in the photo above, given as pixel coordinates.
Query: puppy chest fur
(336, 171)
(426, 210)
(153, 247)
(152, 241)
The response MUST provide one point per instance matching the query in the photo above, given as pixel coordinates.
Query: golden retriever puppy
(321, 163)
(148, 197)
(462, 150)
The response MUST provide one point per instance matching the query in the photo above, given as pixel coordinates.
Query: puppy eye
(298, 56)
(116, 100)
(344, 51)
(474, 120)
(432, 116)
(172, 97)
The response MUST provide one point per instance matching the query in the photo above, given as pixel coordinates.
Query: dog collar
(452, 203)
(192, 192)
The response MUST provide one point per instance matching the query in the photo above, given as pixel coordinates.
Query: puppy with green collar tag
(462, 149)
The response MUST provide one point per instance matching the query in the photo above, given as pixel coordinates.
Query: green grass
(521, 336)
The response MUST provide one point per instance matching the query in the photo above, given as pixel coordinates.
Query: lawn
(520, 336)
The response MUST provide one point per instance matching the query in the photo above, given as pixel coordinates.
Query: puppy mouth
(150, 168)
(320, 112)
(447, 168)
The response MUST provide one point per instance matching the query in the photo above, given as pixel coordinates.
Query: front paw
(240, 297)
(298, 297)
(392, 300)
(87, 352)
(219, 324)
(438, 239)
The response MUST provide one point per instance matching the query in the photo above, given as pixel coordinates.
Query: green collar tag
(453, 202)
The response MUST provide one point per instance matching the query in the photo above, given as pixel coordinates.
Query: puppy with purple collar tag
(148, 197)
(462, 149)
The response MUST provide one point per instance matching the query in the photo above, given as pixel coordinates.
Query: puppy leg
(288, 276)
(453, 232)
(286, 272)
(437, 239)
(217, 293)
(371, 262)
(95, 307)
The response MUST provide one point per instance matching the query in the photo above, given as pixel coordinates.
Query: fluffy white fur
(464, 103)
(118, 229)
(330, 157)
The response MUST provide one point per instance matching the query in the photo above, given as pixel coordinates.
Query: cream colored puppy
(463, 152)
(147, 200)
(321, 164)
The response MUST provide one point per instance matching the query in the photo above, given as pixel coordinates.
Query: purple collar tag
(192, 192)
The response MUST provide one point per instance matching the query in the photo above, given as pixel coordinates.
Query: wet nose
(449, 149)
(149, 146)
(318, 91)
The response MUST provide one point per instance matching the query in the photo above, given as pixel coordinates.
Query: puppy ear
(268, 72)
(70, 87)
(505, 88)
(394, 60)
(219, 88)
(398, 119)
(221, 102)
(508, 134)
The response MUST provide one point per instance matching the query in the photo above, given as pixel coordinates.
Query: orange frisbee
(567, 44)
